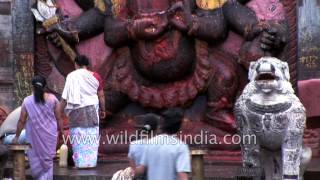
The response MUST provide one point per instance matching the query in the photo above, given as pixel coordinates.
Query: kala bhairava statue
(271, 120)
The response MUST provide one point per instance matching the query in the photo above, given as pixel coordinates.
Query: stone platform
(105, 170)
(214, 170)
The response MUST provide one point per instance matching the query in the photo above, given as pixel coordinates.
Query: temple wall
(16, 54)
(7, 100)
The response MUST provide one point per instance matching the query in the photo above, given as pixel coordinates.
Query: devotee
(146, 131)
(9, 127)
(83, 101)
(40, 117)
(166, 157)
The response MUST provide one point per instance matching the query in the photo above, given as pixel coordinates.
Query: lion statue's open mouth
(266, 78)
(269, 74)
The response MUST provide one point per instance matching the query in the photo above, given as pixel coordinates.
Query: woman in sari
(40, 117)
(82, 98)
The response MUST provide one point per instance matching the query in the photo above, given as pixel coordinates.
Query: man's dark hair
(82, 60)
(172, 120)
(148, 122)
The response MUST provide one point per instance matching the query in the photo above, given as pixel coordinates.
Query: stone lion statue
(271, 121)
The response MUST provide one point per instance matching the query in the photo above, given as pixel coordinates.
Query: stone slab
(5, 8)
(6, 75)
(5, 26)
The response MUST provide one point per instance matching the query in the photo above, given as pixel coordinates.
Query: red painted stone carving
(159, 54)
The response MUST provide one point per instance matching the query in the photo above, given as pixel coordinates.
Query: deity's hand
(180, 17)
(274, 36)
(147, 27)
(61, 30)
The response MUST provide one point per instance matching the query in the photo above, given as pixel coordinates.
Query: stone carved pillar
(198, 164)
(23, 48)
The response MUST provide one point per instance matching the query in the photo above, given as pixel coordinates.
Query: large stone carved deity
(159, 54)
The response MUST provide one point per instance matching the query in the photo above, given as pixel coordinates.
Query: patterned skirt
(85, 146)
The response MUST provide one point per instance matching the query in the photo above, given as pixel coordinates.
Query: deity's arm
(209, 25)
(241, 19)
(202, 19)
(292, 144)
(213, 18)
(89, 24)
(116, 32)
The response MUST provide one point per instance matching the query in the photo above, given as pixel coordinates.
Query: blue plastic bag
(22, 139)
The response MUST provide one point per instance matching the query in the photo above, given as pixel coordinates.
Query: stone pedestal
(197, 164)
(18, 152)
(3, 159)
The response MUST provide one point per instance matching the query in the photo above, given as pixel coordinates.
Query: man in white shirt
(166, 157)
